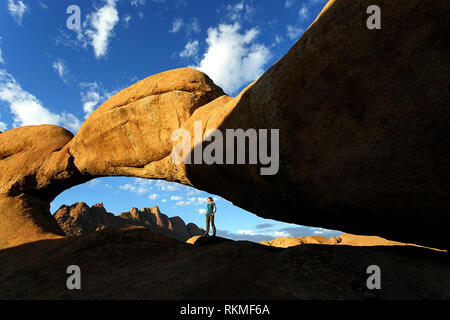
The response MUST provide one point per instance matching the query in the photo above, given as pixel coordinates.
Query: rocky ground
(135, 263)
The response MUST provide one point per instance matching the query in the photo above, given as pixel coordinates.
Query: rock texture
(134, 263)
(363, 118)
(202, 240)
(79, 219)
(344, 239)
(129, 130)
(32, 174)
(286, 242)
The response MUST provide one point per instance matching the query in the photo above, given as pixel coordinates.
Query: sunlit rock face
(80, 219)
(363, 133)
(32, 173)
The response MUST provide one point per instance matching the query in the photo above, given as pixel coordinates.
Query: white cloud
(293, 32)
(233, 59)
(166, 186)
(90, 96)
(136, 189)
(27, 109)
(190, 50)
(137, 3)
(183, 203)
(93, 183)
(17, 9)
(201, 211)
(142, 181)
(126, 19)
(194, 26)
(97, 30)
(193, 192)
(142, 186)
(246, 232)
(279, 39)
(319, 231)
(281, 234)
(288, 3)
(139, 186)
(153, 196)
(201, 201)
(3, 126)
(263, 233)
(69, 121)
(60, 67)
(303, 12)
(189, 201)
(176, 25)
(100, 27)
(128, 187)
(239, 11)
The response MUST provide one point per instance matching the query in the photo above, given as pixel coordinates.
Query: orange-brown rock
(358, 240)
(286, 242)
(79, 219)
(131, 132)
(363, 122)
(130, 129)
(32, 173)
(345, 239)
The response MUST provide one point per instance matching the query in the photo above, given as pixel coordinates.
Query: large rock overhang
(362, 118)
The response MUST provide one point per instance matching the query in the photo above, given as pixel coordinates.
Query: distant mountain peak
(78, 219)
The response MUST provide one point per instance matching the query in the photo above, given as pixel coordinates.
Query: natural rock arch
(363, 123)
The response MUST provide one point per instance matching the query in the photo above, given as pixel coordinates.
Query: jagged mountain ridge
(79, 219)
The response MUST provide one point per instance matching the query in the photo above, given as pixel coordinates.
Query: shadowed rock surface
(202, 240)
(79, 219)
(363, 118)
(134, 263)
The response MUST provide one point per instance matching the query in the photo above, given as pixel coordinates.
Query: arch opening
(123, 195)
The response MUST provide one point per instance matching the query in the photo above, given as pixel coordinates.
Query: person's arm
(214, 208)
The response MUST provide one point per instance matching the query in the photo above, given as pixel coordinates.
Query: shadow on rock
(206, 240)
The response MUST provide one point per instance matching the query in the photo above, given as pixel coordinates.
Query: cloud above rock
(27, 109)
(233, 58)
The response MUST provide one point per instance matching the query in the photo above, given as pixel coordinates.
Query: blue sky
(52, 74)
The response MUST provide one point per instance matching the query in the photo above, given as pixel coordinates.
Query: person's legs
(213, 226)
(207, 224)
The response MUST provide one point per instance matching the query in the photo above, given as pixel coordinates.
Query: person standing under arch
(210, 212)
